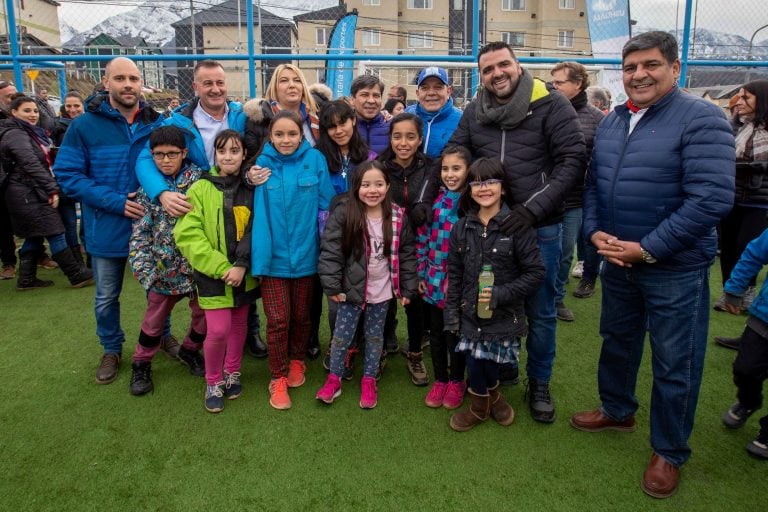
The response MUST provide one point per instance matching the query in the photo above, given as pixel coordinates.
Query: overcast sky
(741, 17)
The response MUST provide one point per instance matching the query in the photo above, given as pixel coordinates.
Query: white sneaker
(578, 269)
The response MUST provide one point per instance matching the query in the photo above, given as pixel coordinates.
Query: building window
(321, 36)
(371, 2)
(515, 39)
(419, 4)
(567, 4)
(565, 38)
(371, 37)
(420, 39)
(458, 5)
(457, 39)
(512, 5)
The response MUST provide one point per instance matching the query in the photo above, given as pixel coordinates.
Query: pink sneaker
(368, 393)
(330, 390)
(435, 396)
(454, 395)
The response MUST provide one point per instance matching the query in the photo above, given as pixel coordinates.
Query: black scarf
(511, 114)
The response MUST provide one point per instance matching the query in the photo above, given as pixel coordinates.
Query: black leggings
(483, 374)
(737, 229)
(750, 370)
(414, 312)
(443, 348)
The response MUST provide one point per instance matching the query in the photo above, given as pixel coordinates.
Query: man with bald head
(7, 244)
(95, 166)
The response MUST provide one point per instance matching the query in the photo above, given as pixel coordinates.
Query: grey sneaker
(417, 369)
(736, 416)
(759, 445)
(564, 314)
(540, 401)
(585, 289)
(232, 386)
(170, 345)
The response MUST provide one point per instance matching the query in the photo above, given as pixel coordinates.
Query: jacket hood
(322, 91)
(257, 110)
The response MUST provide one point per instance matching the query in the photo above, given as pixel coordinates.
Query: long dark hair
(483, 169)
(388, 154)
(334, 113)
(760, 89)
(355, 237)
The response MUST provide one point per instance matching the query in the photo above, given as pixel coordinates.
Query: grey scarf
(511, 114)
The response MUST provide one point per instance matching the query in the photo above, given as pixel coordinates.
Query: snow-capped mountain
(152, 20)
(711, 45)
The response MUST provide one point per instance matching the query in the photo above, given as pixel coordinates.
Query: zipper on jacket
(503, 143)
(429, 131)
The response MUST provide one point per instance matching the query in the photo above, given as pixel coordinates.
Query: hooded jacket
(542, 155)
(350, 275)
(259, 113)
(286, 239)
(215, 236)
(150, 178)
(29, 183)
(155, 261)
(438, 126)
(95, 165)
(375, 132)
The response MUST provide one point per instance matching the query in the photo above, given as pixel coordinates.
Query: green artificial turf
(67, 443)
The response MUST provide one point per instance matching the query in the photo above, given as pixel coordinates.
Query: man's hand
(616, 251)
(518, 220)
(234, 276)
(175, 203)
(133, 210)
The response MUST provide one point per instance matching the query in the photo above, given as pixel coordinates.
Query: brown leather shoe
(660, 478)
(108, 367)
(596, 421)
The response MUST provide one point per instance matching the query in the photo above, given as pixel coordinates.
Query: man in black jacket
(535, 133)
(571, 80)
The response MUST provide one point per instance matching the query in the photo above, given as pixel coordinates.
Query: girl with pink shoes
(366, 258)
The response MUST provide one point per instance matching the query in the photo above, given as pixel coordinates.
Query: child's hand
(234, 276)
(404, 301)
(485, 295)
(422, 287)
(732, 309)
(258, 175)
(340, 297)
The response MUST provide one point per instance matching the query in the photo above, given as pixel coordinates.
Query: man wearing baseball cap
(435, 108)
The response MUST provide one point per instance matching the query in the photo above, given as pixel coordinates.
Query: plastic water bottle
(485, 281)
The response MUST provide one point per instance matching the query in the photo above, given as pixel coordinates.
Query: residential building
(39, 18)
(152, 72)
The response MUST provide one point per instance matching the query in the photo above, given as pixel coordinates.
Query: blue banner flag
(609, 31)
(339, 73)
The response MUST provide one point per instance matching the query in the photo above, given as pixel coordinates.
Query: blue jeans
(68, 213)
(108, 273)
(571, 233)
(540, 308)
(346, 325)
(34, 245)
(674, 308)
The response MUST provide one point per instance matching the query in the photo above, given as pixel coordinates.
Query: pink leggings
(224, 341)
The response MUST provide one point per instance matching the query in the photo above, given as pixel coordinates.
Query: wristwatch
(647, 257)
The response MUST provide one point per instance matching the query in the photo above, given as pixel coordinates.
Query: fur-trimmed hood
(256, 109)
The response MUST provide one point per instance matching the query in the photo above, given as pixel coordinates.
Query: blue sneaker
(214, 397)
(232, 386)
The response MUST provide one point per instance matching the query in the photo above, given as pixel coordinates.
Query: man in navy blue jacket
(660, 179)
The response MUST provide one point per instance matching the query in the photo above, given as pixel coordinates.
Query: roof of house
(328, 14)
(226, 14)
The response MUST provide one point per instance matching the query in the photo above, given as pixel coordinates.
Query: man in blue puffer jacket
(95, 165)
(435, 108)
(366, 91)
(660, 179)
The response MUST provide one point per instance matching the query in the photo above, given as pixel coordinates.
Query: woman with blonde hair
(287, 90)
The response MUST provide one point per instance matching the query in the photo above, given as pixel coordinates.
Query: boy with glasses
(158, 265)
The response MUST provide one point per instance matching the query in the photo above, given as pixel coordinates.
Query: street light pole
(749, 52)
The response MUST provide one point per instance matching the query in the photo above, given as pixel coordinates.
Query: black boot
(78, 254)
(78, 275)
(28, 274)
(255, 346)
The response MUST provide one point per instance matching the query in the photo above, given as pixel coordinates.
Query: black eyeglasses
(160, 156)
